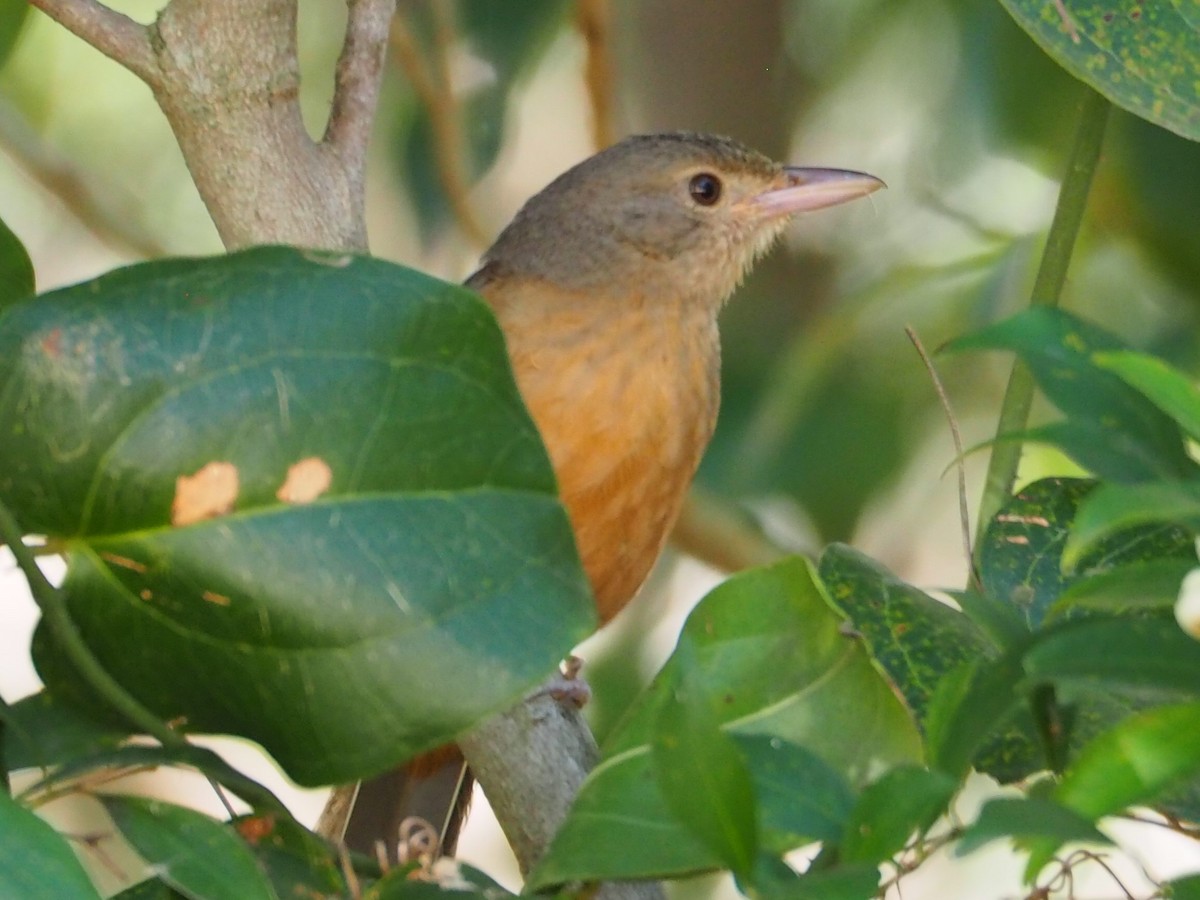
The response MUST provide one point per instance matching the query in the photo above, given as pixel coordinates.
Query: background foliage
(769, 727)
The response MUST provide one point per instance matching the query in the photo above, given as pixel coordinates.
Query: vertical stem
(1047, 287)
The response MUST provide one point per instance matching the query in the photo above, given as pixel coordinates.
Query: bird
(607, 286)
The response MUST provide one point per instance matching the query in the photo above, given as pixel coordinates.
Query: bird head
(679, 213)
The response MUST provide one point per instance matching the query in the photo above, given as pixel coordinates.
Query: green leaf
(196, 855)
(1104, 413)
(770, 651)
(891, 809)
(970, 705)
(700, 772)
(35, 861)
(437, 555)
(1165, 386)
(915, 639)
(16, 271)
(150, 889)
(1115, 507)
(1143, 57)
(1135, 762)
(1022, 818)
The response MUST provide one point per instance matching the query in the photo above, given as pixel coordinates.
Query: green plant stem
(1047, 288)
(53, 604)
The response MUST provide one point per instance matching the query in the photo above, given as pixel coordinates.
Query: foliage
(301, 502)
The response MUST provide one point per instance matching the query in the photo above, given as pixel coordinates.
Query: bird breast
(625, 394)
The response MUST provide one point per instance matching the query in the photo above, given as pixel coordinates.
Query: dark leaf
(40, 732)
(432, 554)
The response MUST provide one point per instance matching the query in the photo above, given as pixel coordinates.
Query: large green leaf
(1141, 56)
(1123, 436)
(198, 856)
(769, 649)
(432, 580)
(35, 861)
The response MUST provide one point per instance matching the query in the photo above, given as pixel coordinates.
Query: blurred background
(830, 428)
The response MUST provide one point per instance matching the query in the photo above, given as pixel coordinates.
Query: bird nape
(607, 285)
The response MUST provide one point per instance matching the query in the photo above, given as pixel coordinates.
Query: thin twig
(103, 216)
(357, 79)
(593, 18)
(964, 509)
(436, 93)
(112, 33)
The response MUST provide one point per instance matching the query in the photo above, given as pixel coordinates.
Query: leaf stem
(1047, 288)
(53, 604)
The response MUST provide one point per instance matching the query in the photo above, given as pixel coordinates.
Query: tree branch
(541, 750)
(112, 33)
(593, 18)
(357, 80)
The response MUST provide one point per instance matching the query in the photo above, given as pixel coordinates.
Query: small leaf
(297, 862)
(192, 853)
(1022, 818)
(1142, 56)
(701, 774)
(891, 809)
(1165, 386)
(35, 861)
(1059, 350)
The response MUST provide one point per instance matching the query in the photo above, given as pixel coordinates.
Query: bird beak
(808, 189)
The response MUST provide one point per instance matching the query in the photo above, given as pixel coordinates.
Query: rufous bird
(607, 286)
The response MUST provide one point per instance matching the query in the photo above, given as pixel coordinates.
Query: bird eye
(705, 188)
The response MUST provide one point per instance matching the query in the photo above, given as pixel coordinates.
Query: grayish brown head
(680, 212)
